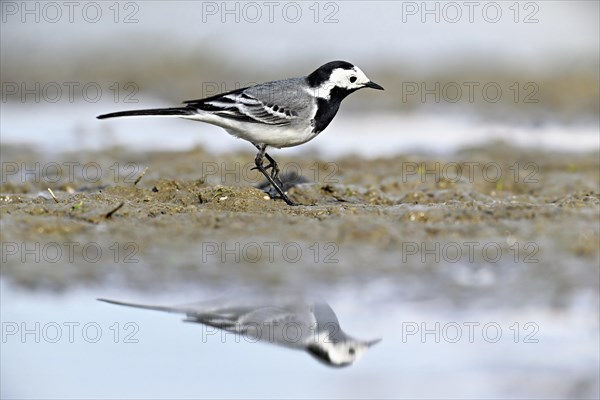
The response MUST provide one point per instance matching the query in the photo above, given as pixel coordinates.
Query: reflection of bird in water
(298, 324)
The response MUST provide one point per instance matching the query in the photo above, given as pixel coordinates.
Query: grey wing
(289, 326)
(286, 97)
(327, 321)
(277, 103)
(286, 325)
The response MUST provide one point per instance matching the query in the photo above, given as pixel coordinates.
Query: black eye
(352, 79)
(351, 349)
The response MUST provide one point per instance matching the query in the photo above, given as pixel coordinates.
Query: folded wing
(274, 103)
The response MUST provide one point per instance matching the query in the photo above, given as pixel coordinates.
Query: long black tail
(144, 306)
(156, 112)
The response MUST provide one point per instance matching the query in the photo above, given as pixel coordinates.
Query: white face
(350, 79)
(346, 352)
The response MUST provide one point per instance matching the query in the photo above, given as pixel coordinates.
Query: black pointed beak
(373, 85)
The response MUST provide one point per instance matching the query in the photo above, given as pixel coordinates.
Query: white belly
(274, 136)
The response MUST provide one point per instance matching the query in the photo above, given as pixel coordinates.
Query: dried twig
(52, 194)
(114, 210)
(139, 178)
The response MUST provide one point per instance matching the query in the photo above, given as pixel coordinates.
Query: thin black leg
(272, 164)
(272, 178)
(274, 169)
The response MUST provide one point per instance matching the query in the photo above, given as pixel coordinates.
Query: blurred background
(469, 81)
(531, 64)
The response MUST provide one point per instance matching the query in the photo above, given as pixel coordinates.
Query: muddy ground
(499, 224)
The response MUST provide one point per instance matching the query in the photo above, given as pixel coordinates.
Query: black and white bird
(278, 114)
(295, 323)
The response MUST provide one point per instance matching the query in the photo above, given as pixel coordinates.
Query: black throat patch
(326, 109)
(319, 354)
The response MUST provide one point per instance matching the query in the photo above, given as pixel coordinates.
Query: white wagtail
(282, 113)
(292, 322)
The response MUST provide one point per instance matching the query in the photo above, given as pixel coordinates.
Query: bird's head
(340, 78)
(342, 353)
